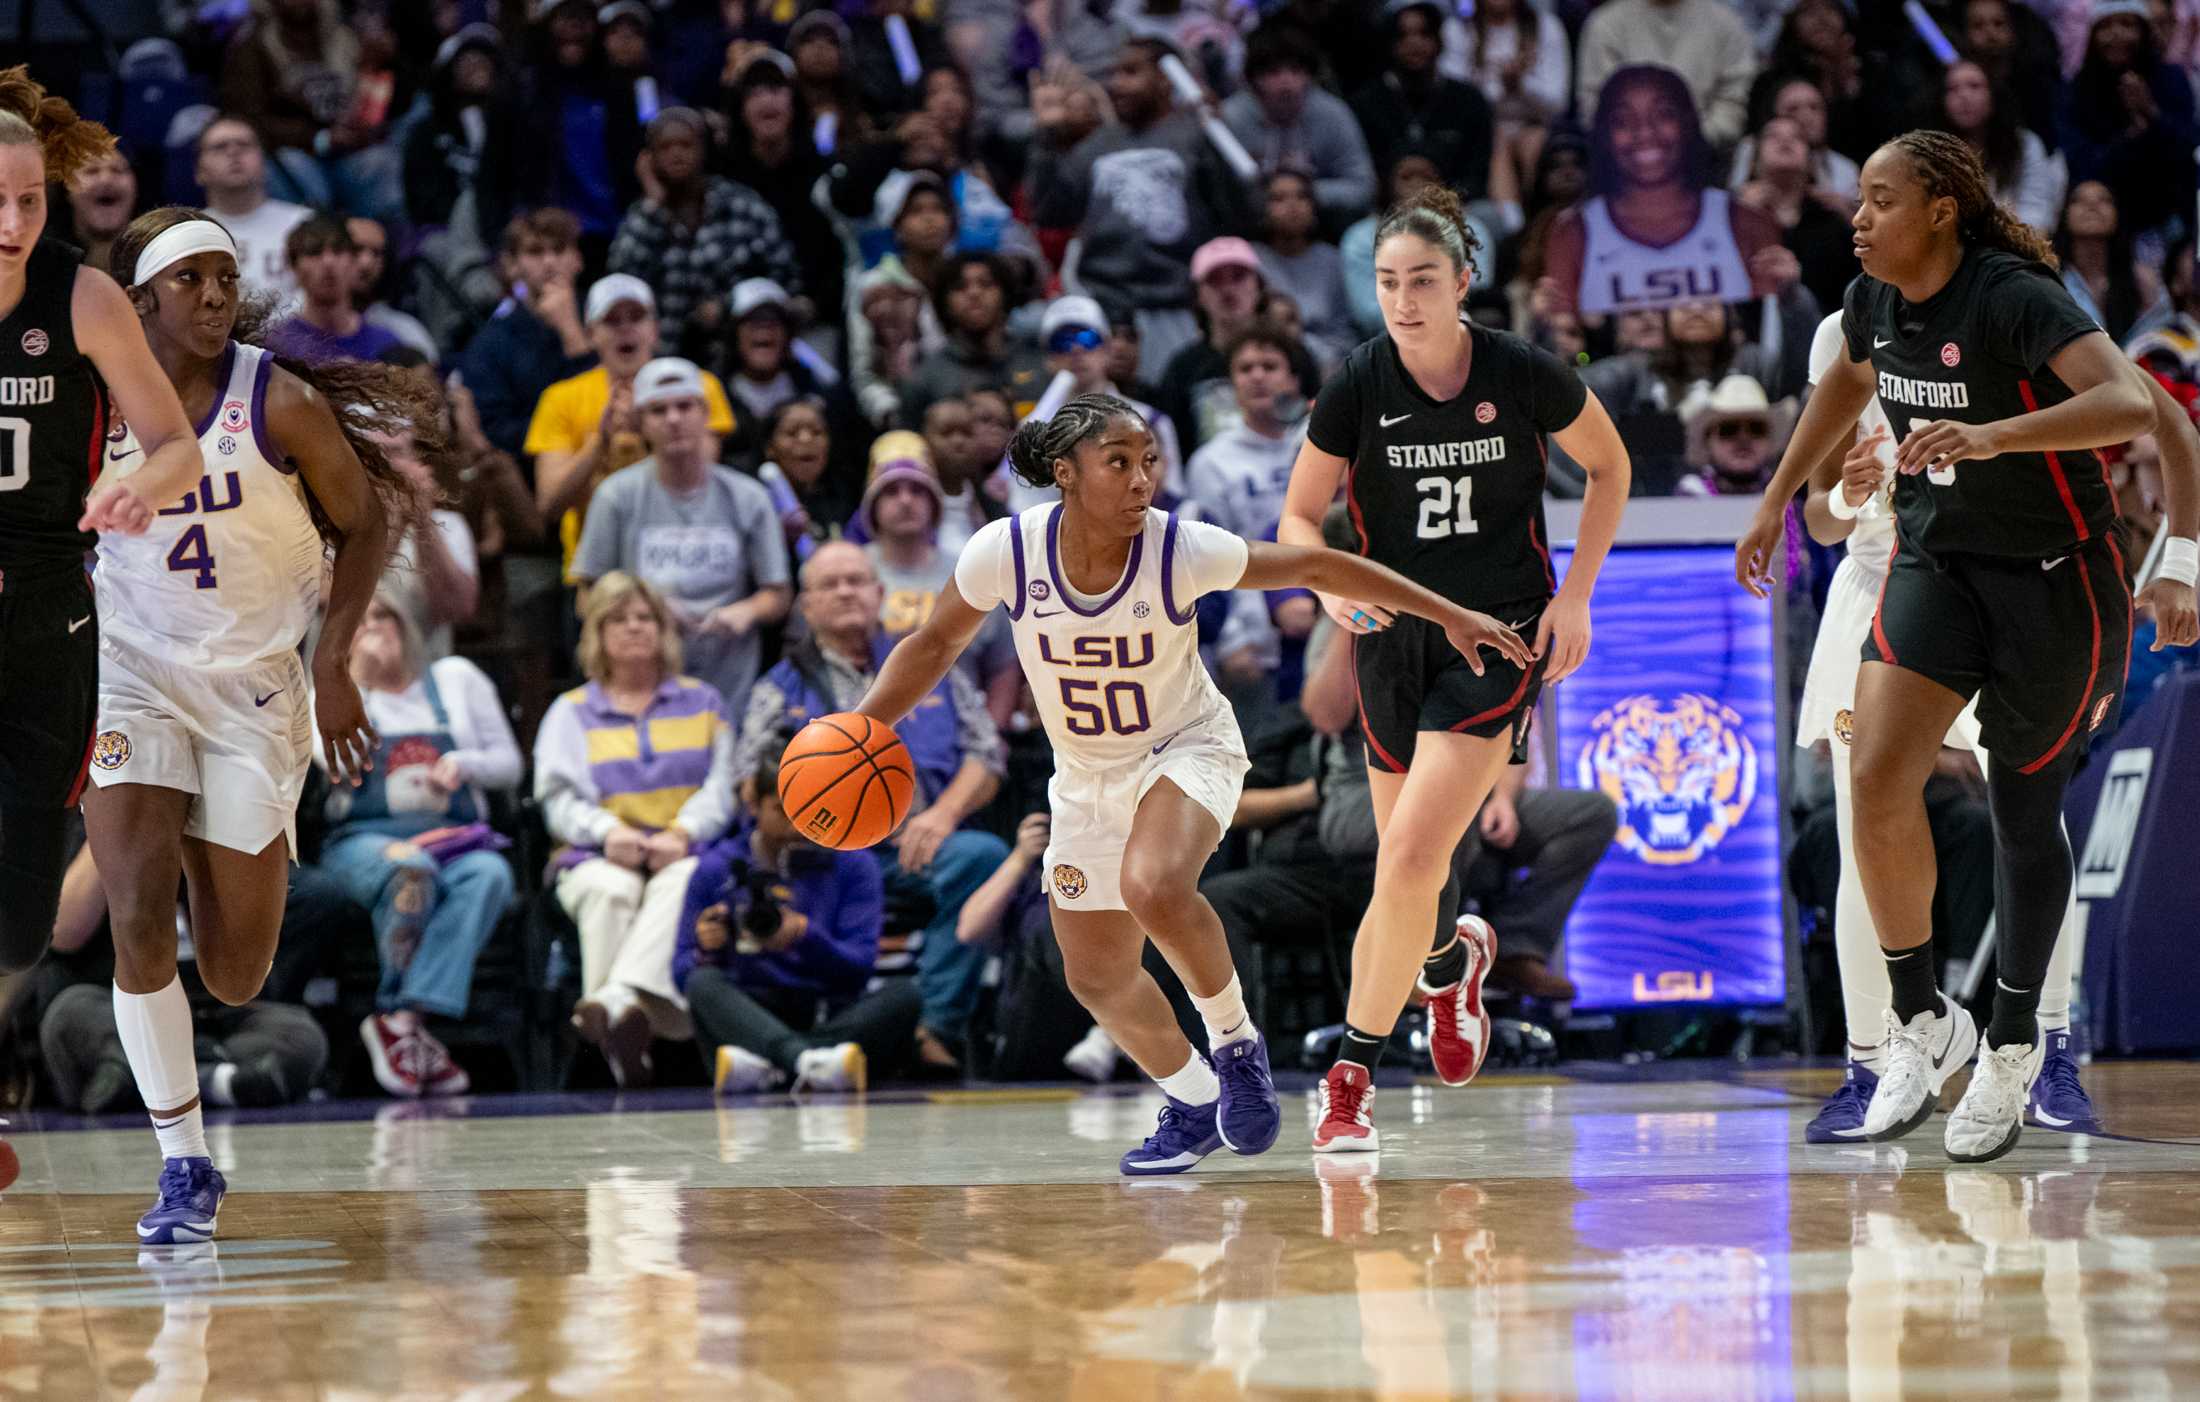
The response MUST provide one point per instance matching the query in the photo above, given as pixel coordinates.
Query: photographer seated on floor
(777, 941)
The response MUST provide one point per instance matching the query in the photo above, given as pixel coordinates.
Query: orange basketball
(846, 781)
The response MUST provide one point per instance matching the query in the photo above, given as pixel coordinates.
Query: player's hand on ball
(1354, 616)
(1562, 638)
(627, 847)
(346, 734)
(1754, 551)
(1862, 473)
(921, 837)
(2171, 606)
(115, 507)
(1943, 443)
(1470, 632)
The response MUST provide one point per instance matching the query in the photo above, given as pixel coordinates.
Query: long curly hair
(1947, 166)
(29, 116)
(364, 395)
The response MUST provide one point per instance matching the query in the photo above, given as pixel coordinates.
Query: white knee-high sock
(156, 1035)
(1225, 1015)
(1865, 994)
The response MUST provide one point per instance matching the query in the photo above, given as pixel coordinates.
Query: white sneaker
(1921, 1056)
(1094, 1057)
(741, 1072)
(831, 1068)
(1985, 1123)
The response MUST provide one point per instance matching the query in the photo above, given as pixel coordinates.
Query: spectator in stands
(1817, 41)
(933, 140)
(890, 329)
(434, 572)
(824, 81)
(959, 760)
(294, 71)
(901, 517)
(412, 845)
(1703, 40)
(1140, 193)
(959, 433)
(1074, 332)
(694, 235)
(535, 337)
(626, 28)
(499, 510)
(232, 168)
(1831, 176)
(1351, 40)
(889, 52)
(813, 503)
(2020, 172)
(778, 938)
(1561, 178)
(370, 251)
(918, 211)
(770, 152)
(102, 201)
(1287, 122)
(634, 772)
(1413, 105)
(764, 366)
(462, 144)
(1517, 53)
(1040, 1029)
(1733, 438)
(2100, 268)
(2015, 49)
(1813, 222)
(2128, 119)
(972, 303)
(1195, 385)
(1296, 261)
(587, 129)
(704, 537)
(327, 326)
(1238, 477)
(585, 428)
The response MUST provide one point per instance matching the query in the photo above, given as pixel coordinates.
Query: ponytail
(29, 117)
(1038, 443)
(1947, 166)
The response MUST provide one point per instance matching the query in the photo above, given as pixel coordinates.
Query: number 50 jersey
(231, 573)
(1116, 677)
(1450, 493)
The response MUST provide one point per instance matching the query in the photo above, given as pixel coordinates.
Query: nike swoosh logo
(2044, 1118)
(1881, 345)
(80, 622)
(1047, 613)
(263, 700)
(1856, 1133)
(1166, 743)
(1947, 1043)
(2050, 564)
(1516, 627)
(1386, 420)
(124, 453)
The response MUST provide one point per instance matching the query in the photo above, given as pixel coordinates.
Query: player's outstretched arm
(1350, 576)
(1314, 478)
(918, 661)
(107, 331)
(1828, 418)
(2169, 595)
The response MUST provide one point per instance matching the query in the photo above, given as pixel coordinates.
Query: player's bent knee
(232, 986)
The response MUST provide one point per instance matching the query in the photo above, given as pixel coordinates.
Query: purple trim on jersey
(1168, 575)
(1016, 552)
(262, 374)
(1054, 569)
(223, 369)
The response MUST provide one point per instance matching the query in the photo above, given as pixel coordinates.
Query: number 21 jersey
(1450, 493)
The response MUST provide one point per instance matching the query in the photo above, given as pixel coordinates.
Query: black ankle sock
(1447, 967)
(1910, 971)
(2016, 1016)
(1362, 1049)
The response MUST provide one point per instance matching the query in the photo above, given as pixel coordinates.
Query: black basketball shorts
(49, 687)
(2042, 643)
(1411, 679)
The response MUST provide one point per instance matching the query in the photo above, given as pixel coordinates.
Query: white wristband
(1837, 502)
(2181, 559)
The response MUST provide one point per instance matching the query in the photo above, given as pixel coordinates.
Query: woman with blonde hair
(634, 772)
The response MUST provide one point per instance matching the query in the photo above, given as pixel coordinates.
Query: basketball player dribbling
(2007, 583)
(206, 713)
(69, 347)
(1102, 592)
(1435, 432)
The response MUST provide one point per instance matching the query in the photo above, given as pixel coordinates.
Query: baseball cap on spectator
(478, 35)
(625, 9)
(609, 292)
(1068, 315)
(896, 189)
(900, 456)
(541, 10)
(814, 20)
(757, 294)
(667, 377)
(1225, 252)
(889, 276)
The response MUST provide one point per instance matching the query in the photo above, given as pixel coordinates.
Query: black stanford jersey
(1450, 494)
(53, 422)
(1977, 351)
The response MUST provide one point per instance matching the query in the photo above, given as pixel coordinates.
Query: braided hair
(1434, 215)
(29, 117)
(1947, 166)
(1039, 443)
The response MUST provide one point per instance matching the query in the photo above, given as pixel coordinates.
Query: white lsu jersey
(231, 573)
(1116, 677)
(1618, 273)
(1871, 540)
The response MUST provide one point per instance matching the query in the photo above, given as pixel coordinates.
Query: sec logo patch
(1485, 412)
(111, 750)
(36, 342)
(1069, 882)
(1950, 356)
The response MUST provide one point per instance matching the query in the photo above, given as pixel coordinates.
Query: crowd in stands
(734, 306)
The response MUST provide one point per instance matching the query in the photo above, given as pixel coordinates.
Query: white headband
(178, 242)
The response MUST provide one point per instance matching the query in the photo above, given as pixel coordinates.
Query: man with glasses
(1074, 334)
(1730, 440)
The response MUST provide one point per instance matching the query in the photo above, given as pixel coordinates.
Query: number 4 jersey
(1450, 494)
(231, 573)
(1117, 676)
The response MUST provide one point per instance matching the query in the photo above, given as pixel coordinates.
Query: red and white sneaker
(1458, 1024)
(391, 1052)
(439, 1075)
(1344, 1110)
